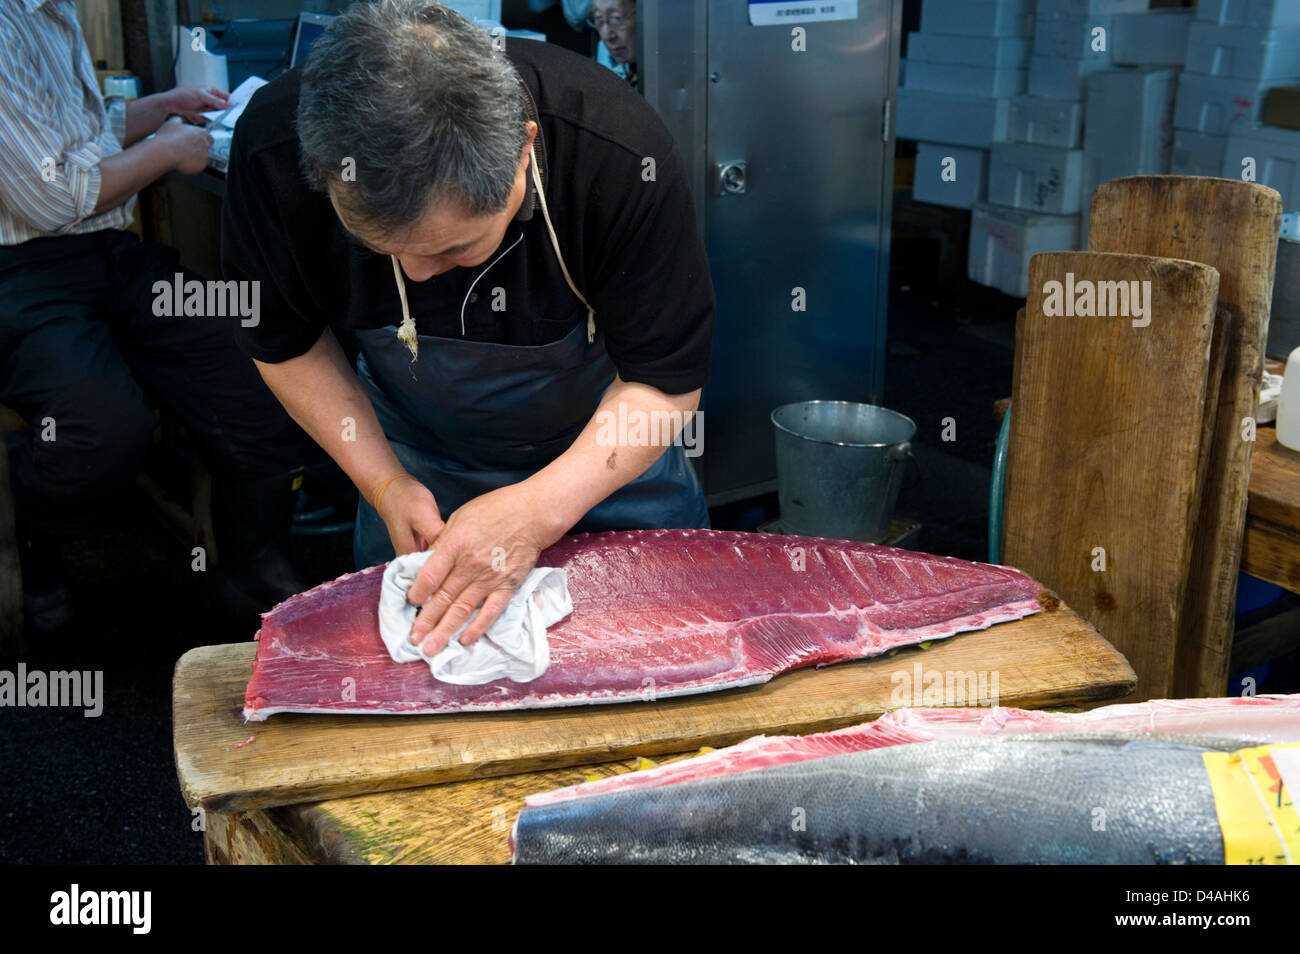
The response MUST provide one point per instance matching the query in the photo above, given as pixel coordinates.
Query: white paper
(238, 100)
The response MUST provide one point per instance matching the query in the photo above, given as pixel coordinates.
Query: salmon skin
(657, 613)
(1027, 799)
(1258, 719)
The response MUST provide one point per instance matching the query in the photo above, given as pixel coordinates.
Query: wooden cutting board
(1105, 446)
(1051, 658)
(1232, 226)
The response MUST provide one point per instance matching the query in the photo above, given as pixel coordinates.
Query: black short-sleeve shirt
(616, 189)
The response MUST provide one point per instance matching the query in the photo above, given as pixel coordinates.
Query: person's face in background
(615, 21)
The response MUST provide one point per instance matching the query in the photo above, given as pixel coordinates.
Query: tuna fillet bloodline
(657, 613)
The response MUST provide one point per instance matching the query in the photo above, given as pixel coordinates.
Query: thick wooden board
(456, 823)
(1105, 453)
(1275, 481)
(1272, 553)
(1232, 226)
(1051, 658)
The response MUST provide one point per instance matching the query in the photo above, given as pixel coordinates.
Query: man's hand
(411, 515)
(192, 101)
(187, 145)
(145, 116)
(481, 557)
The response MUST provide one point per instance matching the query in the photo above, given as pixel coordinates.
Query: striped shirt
(55, 127)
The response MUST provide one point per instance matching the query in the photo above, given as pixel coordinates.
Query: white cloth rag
(514, 647)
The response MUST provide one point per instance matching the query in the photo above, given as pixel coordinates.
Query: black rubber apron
(469, 417)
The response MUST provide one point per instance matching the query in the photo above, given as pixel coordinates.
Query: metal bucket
(839, 466)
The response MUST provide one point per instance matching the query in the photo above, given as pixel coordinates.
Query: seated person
(80, 333)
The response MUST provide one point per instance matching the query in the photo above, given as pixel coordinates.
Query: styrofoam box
(978, 17)
(970, 168)
(1157, 38)
(1129, 120)
(1213, 104)
(1058, 77)
(942, 117)
(1276, 153)
(1047, 122)
(994, 52)
(1037, 178)
(1083, 8)
(1070, 36)
(1002, 241)
(1244, 52)
(1256, 13)
(1197, 154)
(1129, 133)
(964, 80)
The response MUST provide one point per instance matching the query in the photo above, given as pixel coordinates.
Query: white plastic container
(1197, 154)
(1214, 104)
(1046, 122)
(1276, 155)
(1288, 405)
(994, 52)
(1002, 241)
(978, 17)
(1036, 178)
(1252, 53)
(1070, 36)
(942, 117)
(1157, 38)
(964, 80)
(1059, 77)
(969, 168)
(1256, 13)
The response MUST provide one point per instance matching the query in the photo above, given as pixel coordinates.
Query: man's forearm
(601, 460)
(144, 116)
(321, 392)
(126, 173)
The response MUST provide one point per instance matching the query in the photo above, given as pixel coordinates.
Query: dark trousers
(79, 347)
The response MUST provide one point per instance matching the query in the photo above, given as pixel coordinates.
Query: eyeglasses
(613, 21)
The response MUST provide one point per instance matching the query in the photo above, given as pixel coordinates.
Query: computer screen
(310, 27)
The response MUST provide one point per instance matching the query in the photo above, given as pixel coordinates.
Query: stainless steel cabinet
(791, 159)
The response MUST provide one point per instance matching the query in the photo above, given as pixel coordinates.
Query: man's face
(444, 237)
(616, 23)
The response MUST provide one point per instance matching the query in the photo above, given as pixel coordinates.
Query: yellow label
(1255, 808)
(297, 482)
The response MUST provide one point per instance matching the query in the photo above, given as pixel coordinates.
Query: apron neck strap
(555, 244)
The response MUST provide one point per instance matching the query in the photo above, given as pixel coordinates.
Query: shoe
(48, 612)
(47, 601)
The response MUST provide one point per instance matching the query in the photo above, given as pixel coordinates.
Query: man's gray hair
(415, 95)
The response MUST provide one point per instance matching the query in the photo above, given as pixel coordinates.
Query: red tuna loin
(657, 613)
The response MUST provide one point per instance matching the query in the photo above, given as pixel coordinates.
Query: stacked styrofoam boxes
(1036, 174)
(962, 68)
(1129, 128)
(1236, 50)
(1272, 155)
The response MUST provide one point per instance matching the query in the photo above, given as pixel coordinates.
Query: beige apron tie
(406, 331)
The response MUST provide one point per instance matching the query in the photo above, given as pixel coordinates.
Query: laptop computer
(310, 27)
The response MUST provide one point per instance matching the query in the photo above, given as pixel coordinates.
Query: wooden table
(1051, 659)
(1271, 548)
